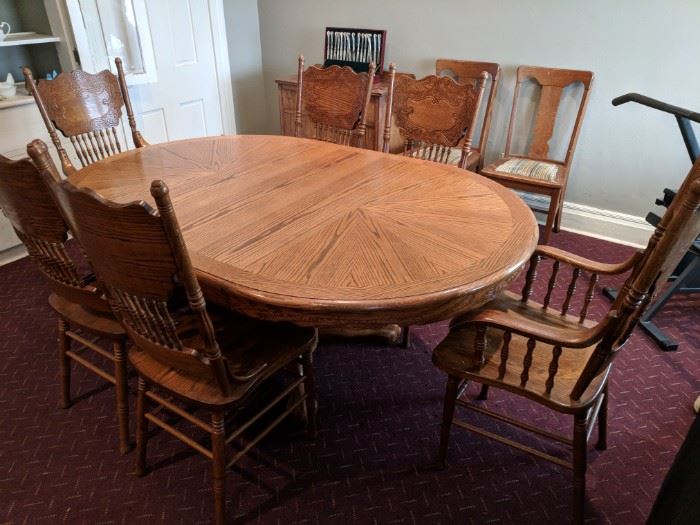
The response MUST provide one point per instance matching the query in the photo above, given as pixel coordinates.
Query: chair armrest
(545, 333)
(587, 264)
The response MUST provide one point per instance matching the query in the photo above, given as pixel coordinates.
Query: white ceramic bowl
(7, 90)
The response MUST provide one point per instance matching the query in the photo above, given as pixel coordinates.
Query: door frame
(60, 25)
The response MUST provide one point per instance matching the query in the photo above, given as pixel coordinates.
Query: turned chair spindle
(571, 290)
(530, 277)
(552, 284)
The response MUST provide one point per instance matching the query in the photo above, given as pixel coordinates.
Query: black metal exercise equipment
(686, 278)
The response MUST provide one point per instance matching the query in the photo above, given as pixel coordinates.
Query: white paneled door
(175, 58)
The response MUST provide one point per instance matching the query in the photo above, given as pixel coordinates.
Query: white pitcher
(8, 88)
(4, 30)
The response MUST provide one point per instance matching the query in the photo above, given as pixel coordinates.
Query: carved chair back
(140, 256)
(335, 100)
(87, 109)
(39, 225)
(552, 82)
(465, 71)
(433, 115)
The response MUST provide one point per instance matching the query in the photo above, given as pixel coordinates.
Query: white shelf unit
(28, 38)
(20, 99)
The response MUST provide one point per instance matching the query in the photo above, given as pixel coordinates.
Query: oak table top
(327, 235)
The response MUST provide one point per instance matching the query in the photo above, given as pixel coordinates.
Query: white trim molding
(596, 222)
(223, 66)
(12, 254)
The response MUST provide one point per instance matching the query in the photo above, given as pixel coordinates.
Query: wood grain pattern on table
(322, 234)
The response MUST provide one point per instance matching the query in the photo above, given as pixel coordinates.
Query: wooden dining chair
(553, 357)
(465, 71)
(86, 108)
(433, 115)
(181, 352)
(535, 170)
(334, 101)
(76, 298)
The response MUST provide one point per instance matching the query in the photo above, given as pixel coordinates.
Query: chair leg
(122, 393)
(484, 393)
(447, 415)
(218, 444)
(141, 428)
(405, 337)
(560, 211)
(580, 464)
(310, 390)
(64, 362)
(551, 215)
(602, 443)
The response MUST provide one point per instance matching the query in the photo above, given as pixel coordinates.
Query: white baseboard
(596, 222)
(12, 254)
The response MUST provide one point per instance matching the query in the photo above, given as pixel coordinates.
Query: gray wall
(243, 35)
(625, 156)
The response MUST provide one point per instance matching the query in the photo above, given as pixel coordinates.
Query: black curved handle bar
(657, 104)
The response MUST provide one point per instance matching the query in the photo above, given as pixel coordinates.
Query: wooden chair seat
(251, 348)
(99, 323)
(455, 355)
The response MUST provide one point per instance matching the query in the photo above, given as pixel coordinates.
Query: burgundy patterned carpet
(372, 462)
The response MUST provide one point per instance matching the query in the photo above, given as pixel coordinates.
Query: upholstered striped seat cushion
(535, 169)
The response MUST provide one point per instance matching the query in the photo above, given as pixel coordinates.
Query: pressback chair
(335, 100)
(180, 350)
(87, 109)
(535, 170)
(464, 71)
(559, 360)
(76, 298)
(434, 115)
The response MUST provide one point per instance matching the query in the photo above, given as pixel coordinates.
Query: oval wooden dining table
(283, 228)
